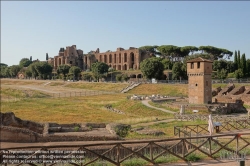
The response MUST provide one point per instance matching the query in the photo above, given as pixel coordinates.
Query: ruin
(121, 59)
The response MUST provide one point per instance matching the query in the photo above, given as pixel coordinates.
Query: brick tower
(199, 73)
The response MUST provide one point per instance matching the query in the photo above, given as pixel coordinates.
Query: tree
(118, 77)
(177, 71)
(14, 69)
(98, 69)
(230, 66)
(24, 62)
(3, 65)
(243, 65)
(248, 67)
(238, 60)
(169, 51)
(151, 50)
(186, 50)
(219, 64)
(86, 76)
(222, 74)
(47, 56)
(33, 70)
(75, 71)
(235, 60)
(28, 72)
(167, 63)
(238, 73)
(43, 69)
(152, 68)
(216, 52)
(63, 69)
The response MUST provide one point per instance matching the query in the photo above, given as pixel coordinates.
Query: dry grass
(162, 89)
(80, 109)
(115, 87)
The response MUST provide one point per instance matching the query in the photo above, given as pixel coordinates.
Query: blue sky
(34, 28)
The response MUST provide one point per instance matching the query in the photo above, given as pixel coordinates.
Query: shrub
(122, 130)
(193, 157)
(76, 128)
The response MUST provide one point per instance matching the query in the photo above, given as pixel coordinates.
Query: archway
(125, 67)
(132, 60)
(115, 58)
(110, 58)
(132, 76)
(125, 57)
(100, 57)
(120, 58)
(119, 67)
(105, 58)
(139, 76)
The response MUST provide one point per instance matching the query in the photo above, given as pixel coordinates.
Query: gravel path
(145, 102)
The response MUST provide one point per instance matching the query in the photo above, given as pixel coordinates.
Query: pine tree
(235, 60)
(238, 60)
(244, 64)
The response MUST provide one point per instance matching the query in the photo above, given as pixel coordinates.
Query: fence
(116, 152)
(193, 117)
(11, 98)
(189, 130)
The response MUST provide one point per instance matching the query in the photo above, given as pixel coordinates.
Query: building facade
(120, 59)
(199, 72)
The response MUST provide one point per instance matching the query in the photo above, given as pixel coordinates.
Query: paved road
(145, 102)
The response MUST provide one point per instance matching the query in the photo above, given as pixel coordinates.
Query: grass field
(38, 107)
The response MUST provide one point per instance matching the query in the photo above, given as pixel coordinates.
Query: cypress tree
(244, 64)
(235, 60)
(238, 60)
(47, 56)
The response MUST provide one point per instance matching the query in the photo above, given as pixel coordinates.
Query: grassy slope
(79, 109)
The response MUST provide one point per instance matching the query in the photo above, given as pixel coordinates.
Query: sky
(34, 28)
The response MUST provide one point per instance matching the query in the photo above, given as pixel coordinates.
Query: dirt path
(145, 102)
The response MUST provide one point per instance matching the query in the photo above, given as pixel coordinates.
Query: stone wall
(13, 129)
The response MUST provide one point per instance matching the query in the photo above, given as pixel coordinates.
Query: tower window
(198, 65)
(192, 65)
(206, 83)
(196, 84)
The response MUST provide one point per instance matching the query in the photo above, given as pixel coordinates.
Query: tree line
(164, 57)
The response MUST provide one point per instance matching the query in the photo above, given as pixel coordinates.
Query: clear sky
(34, 28)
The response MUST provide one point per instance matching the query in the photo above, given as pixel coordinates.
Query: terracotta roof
(199, 59)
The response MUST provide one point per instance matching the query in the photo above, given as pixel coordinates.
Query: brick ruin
(231, 94)
(121, 59)
(14, 129)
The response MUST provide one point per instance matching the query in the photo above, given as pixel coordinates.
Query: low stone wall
(13, 129)
(14, 134)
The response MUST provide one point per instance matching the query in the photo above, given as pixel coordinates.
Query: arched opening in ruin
(105, 58)
(125, 57)
(164, 77)
(132, 59)
(110, 58)
(125, 67)
(100, 57)
(114, 67)
(120, 58)
(115, 58)
(139, 76)
(119, 67)
(60, 61)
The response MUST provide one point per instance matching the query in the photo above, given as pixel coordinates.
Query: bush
(122, 130)
(76, 128)
(193, 157)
